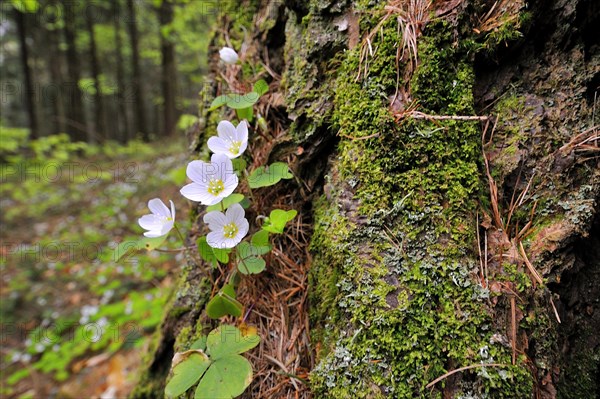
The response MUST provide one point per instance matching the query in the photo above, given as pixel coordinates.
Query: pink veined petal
(242, 132)
(158, 207)
(218, 145)
(215, 220)
(230, 184)
(197, 171)
(150, 222)
(226, 131)
(235, 213)
(215, 239)
(172, 210)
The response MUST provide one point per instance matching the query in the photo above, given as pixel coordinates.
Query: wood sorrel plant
(213, 363)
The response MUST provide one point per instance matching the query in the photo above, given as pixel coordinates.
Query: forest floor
(75, 321)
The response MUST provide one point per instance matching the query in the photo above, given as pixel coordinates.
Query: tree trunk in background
(138, 97)
(123, 123)
(99, 114)
(55, 62)
(77, 127)
(28, 90)
(169, 71)
(423, 265)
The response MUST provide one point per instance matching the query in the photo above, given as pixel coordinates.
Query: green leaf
(30, 6)
(218, 102)
(228, 340)
(200, 343)
(267, 176)
(224, 303)
(222, 254)
(251, 265)
(240, 101)
(239, 164)
(187, 372)
(152, 243)
(261, 239)
(277, 220)
(227, 202)
(245, 113)
(226, 378)
(261, 87)
(206, 252)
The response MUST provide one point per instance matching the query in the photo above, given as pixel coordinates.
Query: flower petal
(218, 145)
(150, 222)
(172, 210)
(215, 220)
(227, 131)
(199, 193)
(242, 132)
(166, 227)
(235, 214)
(196, 171)
(158, 207)
(153, 234)
(216, 239)
(230, 184)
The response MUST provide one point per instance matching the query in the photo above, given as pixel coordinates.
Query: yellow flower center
(230, 230)
(215, 187)
(234, 148)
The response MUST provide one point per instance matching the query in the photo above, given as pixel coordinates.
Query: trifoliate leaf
(206, 252)
(245, 113)
(261, 239)
(277, 220)
(261, 87)
(228, 340)
(186, 372)
(218, 102)
(226, 378)
(224, 303)
(264, 176)
(241, 101)
(251, 265)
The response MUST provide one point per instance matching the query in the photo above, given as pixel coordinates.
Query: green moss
(397, 270)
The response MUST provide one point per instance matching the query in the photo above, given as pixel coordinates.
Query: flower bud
(228, 55)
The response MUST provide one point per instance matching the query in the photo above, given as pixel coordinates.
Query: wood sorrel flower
(160, 221)
(226, 229)
(231, 141)
(228, 55)
(211, 181)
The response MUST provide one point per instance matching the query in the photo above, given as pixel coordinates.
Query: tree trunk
(123, 123)
(447, 164)
(29, 94)
(138, 97)
(100, 115)
(75, 111)
(168, 72)
(55, 63)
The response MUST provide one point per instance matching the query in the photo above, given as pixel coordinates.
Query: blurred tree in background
(102, 70)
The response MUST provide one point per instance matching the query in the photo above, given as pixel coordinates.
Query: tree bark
(75, 110)
(447, 159)
(55, 63)
(169, 71)
(29, 94)
(138, 93)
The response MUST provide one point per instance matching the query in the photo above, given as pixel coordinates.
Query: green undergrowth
(395, 304)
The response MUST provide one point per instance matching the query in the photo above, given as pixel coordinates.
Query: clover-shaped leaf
(264, 176)
(224, 303)
(188, 367)
(277, 220)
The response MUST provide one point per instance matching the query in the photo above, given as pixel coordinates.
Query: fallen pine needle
(474, 366)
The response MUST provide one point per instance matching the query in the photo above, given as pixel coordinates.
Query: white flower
(161, 221)
(211, 181)
(231, 141)
(226, 230)
(228, 55)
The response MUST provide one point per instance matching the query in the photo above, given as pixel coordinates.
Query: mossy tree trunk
(423, 263)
